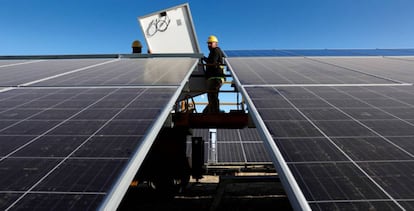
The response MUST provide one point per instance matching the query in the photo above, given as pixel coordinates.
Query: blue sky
(30, 27)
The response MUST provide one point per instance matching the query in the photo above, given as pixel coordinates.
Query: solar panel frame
(119, 189)
(298, 200)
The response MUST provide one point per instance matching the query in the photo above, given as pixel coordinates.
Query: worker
(214, 74)
(136, 46)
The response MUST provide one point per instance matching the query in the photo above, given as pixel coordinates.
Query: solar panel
(126, 72)
(318, 52)
(68, 145)
(232, 146)
(345, 145)
(240, 146)
(23, 72)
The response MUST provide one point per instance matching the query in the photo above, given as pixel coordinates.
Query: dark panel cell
(280, 114)
(8, 62)
(288, 129)
(52, 201)
(408, 205)
(116, 147)
(324, 114)
(77, 128)
(54, 114)
(157, 95)
(32, 127)
(309, 103)
(159, 71)
(87, 175)
(41, 104)
(17, 114)
(367, 113)
(309, 150)
(391, 127)
(264, 93)
(371, 149)
(6, 104)
(22, 174)
(407, 143)
(4, 124)
(110, 104)
(96, 114)
(334, 181)
(19, 74)
(125, 127)
(331, 94)
(61, 96)
(256, 152)
(384, 103)
(301, 96)
(90, 96)
(75, 104)
(228, 152)
(6, 199)
(138, 114)
(256, 53)
(403, 113)
(143, 104)
(51, 146)
(408, 102)
(228, 135)
(355, 206)
(11, 143)
(343, 128)
(122, 96)
(250, 134)
(395, 177)
(270, 103)
(348, 103)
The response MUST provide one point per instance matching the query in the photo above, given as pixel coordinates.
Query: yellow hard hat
(136, 44)
(212, 38)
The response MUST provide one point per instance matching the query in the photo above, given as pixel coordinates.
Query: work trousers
(213, 86)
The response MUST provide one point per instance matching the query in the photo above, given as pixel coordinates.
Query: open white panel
(170, 31)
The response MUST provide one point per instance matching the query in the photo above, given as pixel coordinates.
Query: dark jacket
(214, 63)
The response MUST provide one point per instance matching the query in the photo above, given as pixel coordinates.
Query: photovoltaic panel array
(232, 146)
(319, 52)
(242, 146)
(73, 132)
(339, 129)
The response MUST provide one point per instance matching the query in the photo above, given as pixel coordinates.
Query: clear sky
(30, 27)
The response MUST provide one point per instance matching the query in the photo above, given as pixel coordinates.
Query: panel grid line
(358, 71)
(41, 111)
(343, 152)
(326, 85)
(55, 192)
(77, 148)
(395, 99)
(364, 125)
(241, 144)
(68, 72)
(21, 63)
